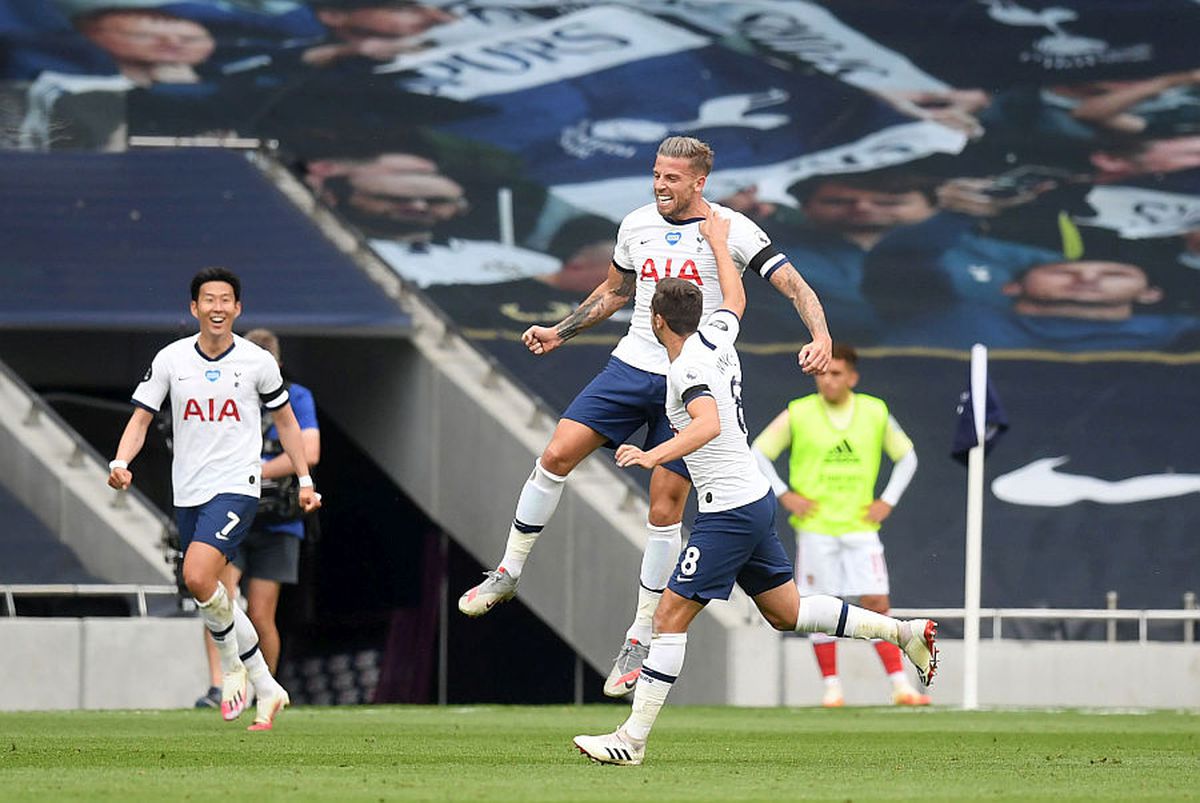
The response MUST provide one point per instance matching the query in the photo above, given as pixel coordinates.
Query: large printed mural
(1020, 173)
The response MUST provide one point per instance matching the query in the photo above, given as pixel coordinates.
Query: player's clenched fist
(310, 500)
(120, 478)
(541, 339)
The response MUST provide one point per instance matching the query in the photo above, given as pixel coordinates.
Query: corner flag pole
(974, 547)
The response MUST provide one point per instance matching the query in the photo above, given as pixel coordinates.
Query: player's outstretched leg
(612, 748)
(821, 613)
(539, 498)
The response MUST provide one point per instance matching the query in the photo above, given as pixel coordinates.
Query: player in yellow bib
(836, 439)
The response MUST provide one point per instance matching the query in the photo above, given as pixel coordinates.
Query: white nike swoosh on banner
(1039, 484)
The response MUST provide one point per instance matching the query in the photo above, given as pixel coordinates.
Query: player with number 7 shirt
(215, 382)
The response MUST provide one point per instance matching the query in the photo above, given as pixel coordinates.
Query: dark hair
(680, 303)
(89, 19)
(846, 353)
(892, 181)
(216, 275)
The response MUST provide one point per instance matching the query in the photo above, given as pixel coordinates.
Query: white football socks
(538, 500)
(252, 657)
(658, 561)
(659, 672)
(821, 613)
(217, 612)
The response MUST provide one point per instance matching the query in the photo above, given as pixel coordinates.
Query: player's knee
(558, 459)
(663, 514)
(199, 584)
(780, 621)
(666, 504)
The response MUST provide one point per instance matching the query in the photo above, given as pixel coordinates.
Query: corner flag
(995, 422)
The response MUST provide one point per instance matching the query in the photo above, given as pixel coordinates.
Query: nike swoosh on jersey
(1038, 484)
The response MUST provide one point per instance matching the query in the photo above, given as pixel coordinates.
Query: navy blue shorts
(738, 545)
(619, 401)
(221, 522)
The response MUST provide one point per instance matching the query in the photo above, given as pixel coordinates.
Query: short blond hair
(265, 338)
(696, 151)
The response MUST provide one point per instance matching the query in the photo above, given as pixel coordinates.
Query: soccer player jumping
(656, 241)
(733, 538)
(216, 381)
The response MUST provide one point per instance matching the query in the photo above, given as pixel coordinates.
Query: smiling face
(677, 188)
(216, 309)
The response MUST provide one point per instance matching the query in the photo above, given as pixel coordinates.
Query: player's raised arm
(610, 296)
(132, 440)
(814, 357)
(715, 229)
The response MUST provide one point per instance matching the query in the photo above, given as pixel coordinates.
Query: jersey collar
(222, 355)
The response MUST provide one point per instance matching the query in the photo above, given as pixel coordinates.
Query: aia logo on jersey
(687, 271)
(208, 410)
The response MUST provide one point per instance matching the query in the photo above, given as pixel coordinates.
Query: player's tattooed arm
(814, 357)
(610, 296)
(602, 303)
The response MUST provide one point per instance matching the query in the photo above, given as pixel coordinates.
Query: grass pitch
(525, 754)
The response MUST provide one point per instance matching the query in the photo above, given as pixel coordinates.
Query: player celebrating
(659, 240)
(216, 380)
(733, 537)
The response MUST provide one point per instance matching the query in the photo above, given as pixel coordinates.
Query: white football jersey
(653, 248)
(723, 470)
(215, 417)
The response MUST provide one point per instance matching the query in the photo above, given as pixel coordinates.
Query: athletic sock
(659, 559)
(821, 613)
(889, 654)
(661, 668)
(825, 651)
(538, 500)
(217, 612)
(252, 657)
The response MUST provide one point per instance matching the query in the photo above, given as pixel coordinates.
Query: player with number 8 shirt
(733, 538)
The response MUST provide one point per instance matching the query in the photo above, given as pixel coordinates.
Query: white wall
(1017, 673)
(101, 663)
